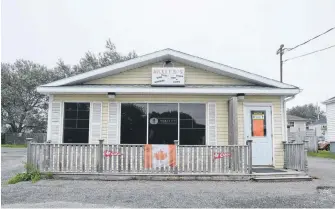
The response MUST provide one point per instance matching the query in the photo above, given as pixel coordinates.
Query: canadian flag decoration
(159, 156)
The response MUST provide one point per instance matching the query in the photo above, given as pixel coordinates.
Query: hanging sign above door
(168, 76)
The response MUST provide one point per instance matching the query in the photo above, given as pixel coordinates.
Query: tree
(22, 107)
(309, 111)
(21, 104)
(110, 56)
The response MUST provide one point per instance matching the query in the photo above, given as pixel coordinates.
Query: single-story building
(296, 124)
(320, 127)
(330, 113)
(167, 97)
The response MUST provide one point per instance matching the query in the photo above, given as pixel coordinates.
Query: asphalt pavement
(319, 193)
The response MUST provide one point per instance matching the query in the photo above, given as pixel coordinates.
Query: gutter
(285, 115)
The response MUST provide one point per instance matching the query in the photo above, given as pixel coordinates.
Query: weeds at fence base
(32, 174)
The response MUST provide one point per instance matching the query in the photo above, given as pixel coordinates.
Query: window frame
(63, 118)
(164, 102)
(290, 123)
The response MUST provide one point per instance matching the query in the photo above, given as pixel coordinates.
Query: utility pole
(280, 51)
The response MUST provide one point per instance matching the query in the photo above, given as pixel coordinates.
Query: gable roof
(170, 54)
(296, 118)
(329, 101)
(321, 121)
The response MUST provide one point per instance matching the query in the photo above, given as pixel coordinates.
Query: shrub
(32, 174)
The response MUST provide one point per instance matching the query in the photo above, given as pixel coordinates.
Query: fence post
(285, 154)
(100, 156)
(305, 156)
(29, 153)
(176, 168)
(249, 144)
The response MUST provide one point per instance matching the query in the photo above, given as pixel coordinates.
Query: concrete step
(282, 178)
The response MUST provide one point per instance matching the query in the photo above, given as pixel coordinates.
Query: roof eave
(169, 54)
(166, 90)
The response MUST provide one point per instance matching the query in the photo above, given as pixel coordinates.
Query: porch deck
(129, 162)
(276, 175)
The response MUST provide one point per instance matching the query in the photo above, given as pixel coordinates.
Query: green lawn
(324, 154)
(14, 145)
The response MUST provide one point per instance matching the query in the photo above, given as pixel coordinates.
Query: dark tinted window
(76, 122)
(163, 123)
(133, 123)
(192, 124)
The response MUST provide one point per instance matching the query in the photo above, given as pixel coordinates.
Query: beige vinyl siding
(277, 124)
(221, 107)
(221, 110)
(193, 75)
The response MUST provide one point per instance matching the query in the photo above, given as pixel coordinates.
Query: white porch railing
(122, 158)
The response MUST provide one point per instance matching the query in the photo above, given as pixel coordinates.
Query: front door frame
(260, 104)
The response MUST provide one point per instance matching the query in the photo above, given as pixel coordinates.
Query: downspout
(285, 115)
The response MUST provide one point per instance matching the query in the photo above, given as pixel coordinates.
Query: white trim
(119, 122)
(329, 101)
(175, 56)
(62, 112)
(166, 90)
(258, 104)
(49, 117)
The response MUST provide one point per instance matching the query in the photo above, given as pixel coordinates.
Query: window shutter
(112, 134)
(96, 116)
(56, 111)
(211, 124)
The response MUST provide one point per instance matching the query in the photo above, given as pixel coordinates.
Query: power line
(290, 49)
(320, 50)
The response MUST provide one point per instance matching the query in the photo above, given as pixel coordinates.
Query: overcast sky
(243, 34)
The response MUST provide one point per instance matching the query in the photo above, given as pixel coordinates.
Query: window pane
(83, 114)
(163, 123)
(84, 106)
(70, 106)
(83, 124)
(75, 129)
(133, 123)
(75, 135)
(186, 123)
(192, 124)
(258, 123)
(70, 123)
(70, 114)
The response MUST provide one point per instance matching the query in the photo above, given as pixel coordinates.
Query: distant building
(330, 112)
(296, 124)
(320, 127)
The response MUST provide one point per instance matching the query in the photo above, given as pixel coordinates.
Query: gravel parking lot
(121, 194)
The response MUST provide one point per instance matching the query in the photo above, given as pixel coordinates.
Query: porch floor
(261, 173)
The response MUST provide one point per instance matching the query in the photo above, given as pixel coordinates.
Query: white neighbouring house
(296, 124)
(320, 127)
(330, 113)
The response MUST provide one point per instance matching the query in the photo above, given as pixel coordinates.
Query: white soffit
(167, 90)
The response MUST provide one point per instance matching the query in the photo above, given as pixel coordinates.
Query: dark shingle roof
(296, 118)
